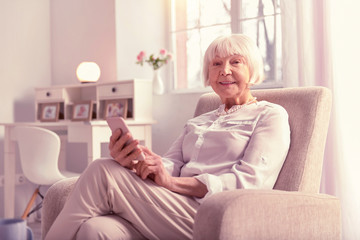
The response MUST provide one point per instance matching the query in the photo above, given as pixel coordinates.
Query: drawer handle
(113, 89)
(48, 94)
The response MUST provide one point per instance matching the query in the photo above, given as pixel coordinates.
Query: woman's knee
(87, 230)
(107, 227)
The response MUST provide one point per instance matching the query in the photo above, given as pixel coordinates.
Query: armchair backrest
(309, 115)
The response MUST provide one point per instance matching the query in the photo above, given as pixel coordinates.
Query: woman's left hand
(152, 167)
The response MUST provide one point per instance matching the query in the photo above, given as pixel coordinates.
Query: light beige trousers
(111, 202)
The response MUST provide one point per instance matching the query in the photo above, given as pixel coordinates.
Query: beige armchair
(292, 210)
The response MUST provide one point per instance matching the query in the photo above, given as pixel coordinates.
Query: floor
(36, 229)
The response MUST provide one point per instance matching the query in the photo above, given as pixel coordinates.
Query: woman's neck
(229, 103)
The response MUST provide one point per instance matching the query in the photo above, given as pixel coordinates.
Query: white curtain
(321, 46)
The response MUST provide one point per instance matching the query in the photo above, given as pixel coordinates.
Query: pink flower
(163, 51)
(140, 56)
(155, 61)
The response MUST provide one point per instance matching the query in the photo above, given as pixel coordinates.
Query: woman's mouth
(226, 82)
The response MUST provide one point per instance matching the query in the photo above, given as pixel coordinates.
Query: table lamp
(88, 72)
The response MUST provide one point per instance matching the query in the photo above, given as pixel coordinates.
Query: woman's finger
(122, 141)
(145, 150)
(127, 154)
(114, 137)
(119, 148)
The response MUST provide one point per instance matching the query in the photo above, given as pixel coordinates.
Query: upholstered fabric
(294, 210)
(54, 201)
(268, 214)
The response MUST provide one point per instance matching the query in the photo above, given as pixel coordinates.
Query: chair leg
(30, 203)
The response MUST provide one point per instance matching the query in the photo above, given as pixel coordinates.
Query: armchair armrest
(268, 214)
(54, 202)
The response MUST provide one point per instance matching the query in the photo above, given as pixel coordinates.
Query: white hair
(235, 44)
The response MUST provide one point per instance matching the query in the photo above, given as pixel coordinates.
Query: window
(196, 23)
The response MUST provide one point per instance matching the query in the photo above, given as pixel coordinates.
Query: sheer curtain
(321, 47)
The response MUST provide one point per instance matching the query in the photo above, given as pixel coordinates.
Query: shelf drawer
(116, 90)
(49, 94)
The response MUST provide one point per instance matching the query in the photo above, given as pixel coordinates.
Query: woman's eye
(216, 63)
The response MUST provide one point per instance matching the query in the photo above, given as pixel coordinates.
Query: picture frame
(82, 111)
(50, 112)
(116, 108)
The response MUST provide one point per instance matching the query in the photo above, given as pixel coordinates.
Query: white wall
(140, 25)
(171, 111)
(24, 64)
(24, 56)
(82, 30)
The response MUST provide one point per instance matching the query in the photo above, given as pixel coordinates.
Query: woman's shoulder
(271, 109)
(270, 105)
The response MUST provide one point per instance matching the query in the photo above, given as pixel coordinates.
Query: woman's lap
(106, 187)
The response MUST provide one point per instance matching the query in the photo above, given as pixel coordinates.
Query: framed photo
(50, 112)
(116, 108)
(82, 111)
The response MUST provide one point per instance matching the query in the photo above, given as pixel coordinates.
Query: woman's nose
(225, 70)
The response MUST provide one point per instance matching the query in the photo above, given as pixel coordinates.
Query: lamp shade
(88, 72)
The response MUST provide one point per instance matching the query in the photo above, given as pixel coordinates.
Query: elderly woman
(242, 144)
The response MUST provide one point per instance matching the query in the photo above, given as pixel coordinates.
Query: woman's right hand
(123, 149)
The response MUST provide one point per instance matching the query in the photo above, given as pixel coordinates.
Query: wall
(82, 30)
(25, 56)
(171, 111)
(140, 25)
(24, 64)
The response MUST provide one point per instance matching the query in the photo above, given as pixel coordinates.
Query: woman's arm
(189, 186)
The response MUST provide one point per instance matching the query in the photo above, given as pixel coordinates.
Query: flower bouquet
(156, 62)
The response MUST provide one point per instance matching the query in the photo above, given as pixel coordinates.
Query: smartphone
(118, 122)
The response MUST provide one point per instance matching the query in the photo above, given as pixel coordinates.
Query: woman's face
(229, 77)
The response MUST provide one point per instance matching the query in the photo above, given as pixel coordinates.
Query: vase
(158, 85)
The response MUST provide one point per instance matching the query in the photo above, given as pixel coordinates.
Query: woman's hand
(152, 167)
(123, 149)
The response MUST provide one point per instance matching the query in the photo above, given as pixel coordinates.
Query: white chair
(39, 150)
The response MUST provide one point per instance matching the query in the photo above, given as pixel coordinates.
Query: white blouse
(244, 147)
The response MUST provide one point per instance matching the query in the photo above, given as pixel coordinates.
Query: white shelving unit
(137, 93)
